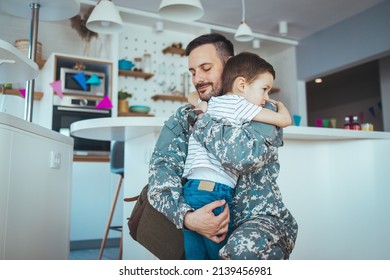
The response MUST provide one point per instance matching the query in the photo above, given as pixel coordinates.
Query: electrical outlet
(55, 160)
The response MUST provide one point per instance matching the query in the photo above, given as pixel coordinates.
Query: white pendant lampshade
(181, 10)
(105, 18)
(244, 32)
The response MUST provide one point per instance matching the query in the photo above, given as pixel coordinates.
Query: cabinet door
(93, 189)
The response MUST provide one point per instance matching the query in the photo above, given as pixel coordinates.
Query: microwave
(70, 85)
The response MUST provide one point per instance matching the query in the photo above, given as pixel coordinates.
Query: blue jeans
(196, 246)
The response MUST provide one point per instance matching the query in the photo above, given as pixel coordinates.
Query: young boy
(247, 80)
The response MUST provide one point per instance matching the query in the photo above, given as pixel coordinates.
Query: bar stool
(117, 167)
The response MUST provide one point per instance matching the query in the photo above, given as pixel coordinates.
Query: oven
(71, 109)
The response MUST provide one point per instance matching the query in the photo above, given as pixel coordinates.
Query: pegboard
(167, 69)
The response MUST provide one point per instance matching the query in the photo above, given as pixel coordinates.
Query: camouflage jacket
(252, 149)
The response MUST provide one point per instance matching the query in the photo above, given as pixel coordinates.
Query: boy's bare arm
(281, 118)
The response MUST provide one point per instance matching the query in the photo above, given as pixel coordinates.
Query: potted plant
(123, 103)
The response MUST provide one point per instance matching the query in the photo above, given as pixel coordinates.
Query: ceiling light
(283, 28)
(159, 26)
(244, 32)
(256, 44)
(185, 10)
(105, 18)
(318, 81)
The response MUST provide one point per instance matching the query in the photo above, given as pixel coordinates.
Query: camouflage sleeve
(166, 168)
(241, 148)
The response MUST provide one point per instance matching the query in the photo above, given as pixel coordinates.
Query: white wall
(360, 38)
(286, 80)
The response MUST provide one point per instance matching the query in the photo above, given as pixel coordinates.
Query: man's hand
(204, 222)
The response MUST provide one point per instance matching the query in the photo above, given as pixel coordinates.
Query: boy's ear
(239, 84)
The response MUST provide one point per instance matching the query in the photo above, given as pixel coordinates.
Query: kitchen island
(35, 190)
(335, 182)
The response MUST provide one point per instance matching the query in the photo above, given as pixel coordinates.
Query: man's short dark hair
(223, 46)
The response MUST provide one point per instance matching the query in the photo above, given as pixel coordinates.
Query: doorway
(351, 92)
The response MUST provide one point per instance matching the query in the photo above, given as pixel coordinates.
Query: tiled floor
(110, 253)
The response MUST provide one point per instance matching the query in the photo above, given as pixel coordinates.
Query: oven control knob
(84, 102)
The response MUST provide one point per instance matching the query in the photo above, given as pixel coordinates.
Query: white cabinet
(35, 188)
(93, 188)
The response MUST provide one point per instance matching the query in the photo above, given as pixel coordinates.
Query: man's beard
(214, 92)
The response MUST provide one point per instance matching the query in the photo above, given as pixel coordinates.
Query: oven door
(64, 116)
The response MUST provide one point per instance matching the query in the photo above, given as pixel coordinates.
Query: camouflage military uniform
(263, 226)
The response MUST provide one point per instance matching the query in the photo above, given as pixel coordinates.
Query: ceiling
(304, 17)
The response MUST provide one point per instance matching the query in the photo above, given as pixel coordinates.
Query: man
(263, 227)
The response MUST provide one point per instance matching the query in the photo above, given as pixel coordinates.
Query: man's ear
(239, 84)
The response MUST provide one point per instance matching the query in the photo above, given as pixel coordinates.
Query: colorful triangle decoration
(105, 103)
(80, 79)
(23, 92)
(57, 87)
(94, 80)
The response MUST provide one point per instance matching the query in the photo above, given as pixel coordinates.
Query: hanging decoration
(80, 79)
(22, 91)
(79, 24)
(57, 87)
(94, 80)
(372, 111)
(104, 104)
(380, 105)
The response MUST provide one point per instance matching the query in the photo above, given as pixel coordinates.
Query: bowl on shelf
(139, 109)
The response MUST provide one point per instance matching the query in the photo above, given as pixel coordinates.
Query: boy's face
(257, 91)
(206, 69)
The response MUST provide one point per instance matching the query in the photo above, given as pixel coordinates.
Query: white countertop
(116, 128)
(321, 133)
(122, 128)
(9, 121)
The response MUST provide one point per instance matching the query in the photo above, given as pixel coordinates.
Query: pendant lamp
(244, 32)
(181, 10)
(105, 18)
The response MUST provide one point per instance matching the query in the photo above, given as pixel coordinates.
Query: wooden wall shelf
(40, 63)
(169, 97)
(37, 94)
(135, 74)
(173, 50)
